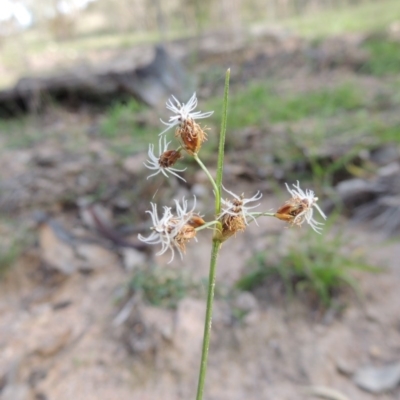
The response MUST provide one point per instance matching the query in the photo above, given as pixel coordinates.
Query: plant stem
(206, 225)
(216, 242)
(208, 321)
(221, 148)
(204, 168)
(262, 214)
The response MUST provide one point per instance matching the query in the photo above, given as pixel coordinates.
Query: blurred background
(88, 312)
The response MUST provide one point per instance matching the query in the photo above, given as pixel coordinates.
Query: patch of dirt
(58, 337)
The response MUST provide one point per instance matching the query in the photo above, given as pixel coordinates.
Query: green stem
(204, 168)
(216, 242)
(262, 214)
(208, 321)
(206, 225)
(221, 148)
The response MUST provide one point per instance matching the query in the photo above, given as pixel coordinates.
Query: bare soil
(59, 341)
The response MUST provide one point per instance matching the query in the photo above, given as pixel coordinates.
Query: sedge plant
(176, 227)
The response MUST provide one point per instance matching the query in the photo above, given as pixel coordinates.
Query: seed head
(299, 208)
(171, 231)
(191, 135)
(169, 158)
(183, 112)
(186, 233)
(165, 161)
(235, 214)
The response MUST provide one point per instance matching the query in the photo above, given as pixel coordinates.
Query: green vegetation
(315, 266)
(322, 130)
(26, 131)
(356, 133)
(15, 238)
(124, 126)
(19, 133)
(162, 287)
(259, 104)
(369, 16)
(8, 256)
(384, 57)
(121, 118)
(125, 129)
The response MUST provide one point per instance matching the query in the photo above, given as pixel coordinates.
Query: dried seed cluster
(174, 230)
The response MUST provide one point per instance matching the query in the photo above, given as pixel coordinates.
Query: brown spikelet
(184, 235)
(196, 221)
(169, 158)
(191, 135)
(231, 224)
(292, 209)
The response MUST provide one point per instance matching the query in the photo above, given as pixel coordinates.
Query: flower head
(184, 112)
(164, 162)
(191, 135)
(300, 208)
(188, 130)
(171, 231)
(235, 213)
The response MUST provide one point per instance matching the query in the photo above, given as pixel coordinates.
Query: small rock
(353, 187)
(385, 155)
(389, 169)
(378, 379)
(345, 367)
(55, 252)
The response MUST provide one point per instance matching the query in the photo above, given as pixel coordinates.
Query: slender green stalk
(206, 225)
(204, 168)
(221, 148)
(216, 242)
(208, 321)
(262, 214)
